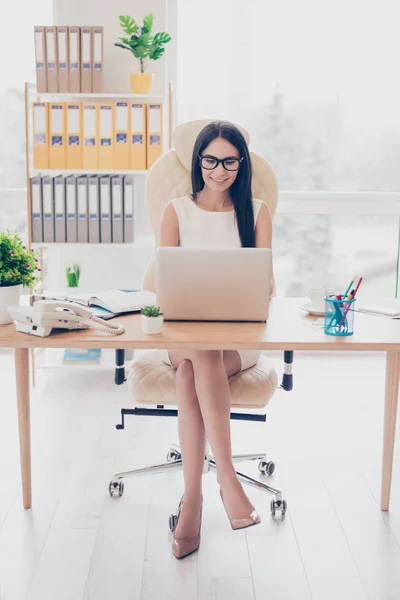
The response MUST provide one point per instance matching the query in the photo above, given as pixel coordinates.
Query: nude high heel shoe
(182, 547)
(253, 518)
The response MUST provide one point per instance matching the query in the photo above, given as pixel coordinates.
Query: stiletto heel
(253, 519)
(184, 546)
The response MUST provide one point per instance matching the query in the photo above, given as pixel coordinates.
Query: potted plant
(18, 266)
(73, 273)
(152, 319)
(143, 46)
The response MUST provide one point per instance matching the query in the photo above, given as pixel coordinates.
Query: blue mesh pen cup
(339, 316)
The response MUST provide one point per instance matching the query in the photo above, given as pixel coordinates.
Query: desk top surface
(288, 328)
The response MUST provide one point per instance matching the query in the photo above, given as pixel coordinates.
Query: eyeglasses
(211, 162)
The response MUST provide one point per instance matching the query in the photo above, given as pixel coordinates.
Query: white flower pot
(152, 324)
(9, 295)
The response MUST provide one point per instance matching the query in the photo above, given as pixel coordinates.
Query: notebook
(390, 310)
(114, 301)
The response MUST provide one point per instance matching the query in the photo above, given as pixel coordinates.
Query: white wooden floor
(77, 543)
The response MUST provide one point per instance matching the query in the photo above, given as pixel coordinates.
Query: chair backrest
(170, 178)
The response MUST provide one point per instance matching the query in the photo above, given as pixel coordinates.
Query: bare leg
(211, 372)
(192, 442)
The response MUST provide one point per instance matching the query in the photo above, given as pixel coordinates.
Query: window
(315, 84)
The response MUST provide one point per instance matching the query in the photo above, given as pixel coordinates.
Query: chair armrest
(287, 378)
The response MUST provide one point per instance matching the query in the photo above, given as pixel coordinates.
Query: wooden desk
(285, 330)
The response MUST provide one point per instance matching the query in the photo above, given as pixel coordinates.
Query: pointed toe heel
(182, 547)
(252, 519)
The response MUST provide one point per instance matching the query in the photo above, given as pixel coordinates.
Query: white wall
(118, 63)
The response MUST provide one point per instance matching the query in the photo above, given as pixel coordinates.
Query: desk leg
(24, 424)
(391, 400)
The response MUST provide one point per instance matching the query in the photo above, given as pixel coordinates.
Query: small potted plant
(18, 267)
(73, 273)
(144, 46)
(152, 319)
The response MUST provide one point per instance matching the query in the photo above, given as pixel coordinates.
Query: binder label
(73, 140)
(63, 66)
(155, 140)
(137, 139)
(39, 65)
(122, 138)
(74, 66)
(105, 142)
(86, 66)
(59, 216)
(51, 66)
(89, 141)
(71, 216)
(56, 140)
(97, 66)
(105, 216)
(40, 138)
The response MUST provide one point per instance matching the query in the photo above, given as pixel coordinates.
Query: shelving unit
(32, 95)
(85, 172)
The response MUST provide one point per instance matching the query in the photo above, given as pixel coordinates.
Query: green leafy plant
(18, 264)
(151, 311)
(73, 273)
(140, 40)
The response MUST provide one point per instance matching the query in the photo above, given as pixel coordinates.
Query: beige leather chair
(151, 382)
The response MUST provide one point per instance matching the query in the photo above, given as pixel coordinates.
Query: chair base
(174, 461)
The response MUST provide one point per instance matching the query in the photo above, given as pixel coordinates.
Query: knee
(185, 376)
(207, 358)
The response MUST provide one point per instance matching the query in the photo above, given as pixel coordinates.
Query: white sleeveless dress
(200, 228)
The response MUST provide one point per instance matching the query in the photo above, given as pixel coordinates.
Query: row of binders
(86, 208)
(118, 135)
(69, 59)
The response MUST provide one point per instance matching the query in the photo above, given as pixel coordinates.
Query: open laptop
(221, 284)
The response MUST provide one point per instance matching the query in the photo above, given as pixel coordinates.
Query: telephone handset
(45, 315)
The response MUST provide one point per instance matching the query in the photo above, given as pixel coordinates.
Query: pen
(350, 284)
(348, 306)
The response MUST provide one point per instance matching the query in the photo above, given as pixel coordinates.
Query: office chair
(151, 382)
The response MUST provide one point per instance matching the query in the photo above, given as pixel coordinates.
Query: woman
(219, 213)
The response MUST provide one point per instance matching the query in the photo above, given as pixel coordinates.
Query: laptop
(220, 284)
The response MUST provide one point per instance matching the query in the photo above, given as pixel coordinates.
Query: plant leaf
(148, 23)
(124, 47)
(156, 52)
(162, 38)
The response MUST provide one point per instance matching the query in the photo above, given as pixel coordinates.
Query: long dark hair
(240, 190)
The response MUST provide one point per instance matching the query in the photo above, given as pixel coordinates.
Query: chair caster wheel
(266, 468)
(173, 456)
(278, 505)
(173, 521)
(116, 486)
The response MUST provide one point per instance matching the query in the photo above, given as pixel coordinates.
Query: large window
(315, 84)
(17, 66)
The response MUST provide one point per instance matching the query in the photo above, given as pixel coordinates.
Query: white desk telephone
(45, 315)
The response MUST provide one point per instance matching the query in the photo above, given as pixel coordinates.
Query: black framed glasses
(230, 163)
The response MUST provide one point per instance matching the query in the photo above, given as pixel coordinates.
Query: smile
(218, 180)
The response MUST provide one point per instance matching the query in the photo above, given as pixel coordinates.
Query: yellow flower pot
(141, 83)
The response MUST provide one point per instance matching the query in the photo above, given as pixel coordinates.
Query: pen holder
(339, 317)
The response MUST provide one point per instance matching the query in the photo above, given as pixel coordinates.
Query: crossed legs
(204, 409)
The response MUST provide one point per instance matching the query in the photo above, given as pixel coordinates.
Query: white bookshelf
(48, 97)
(85, 172)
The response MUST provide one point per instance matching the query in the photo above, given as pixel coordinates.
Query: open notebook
(115, 301)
